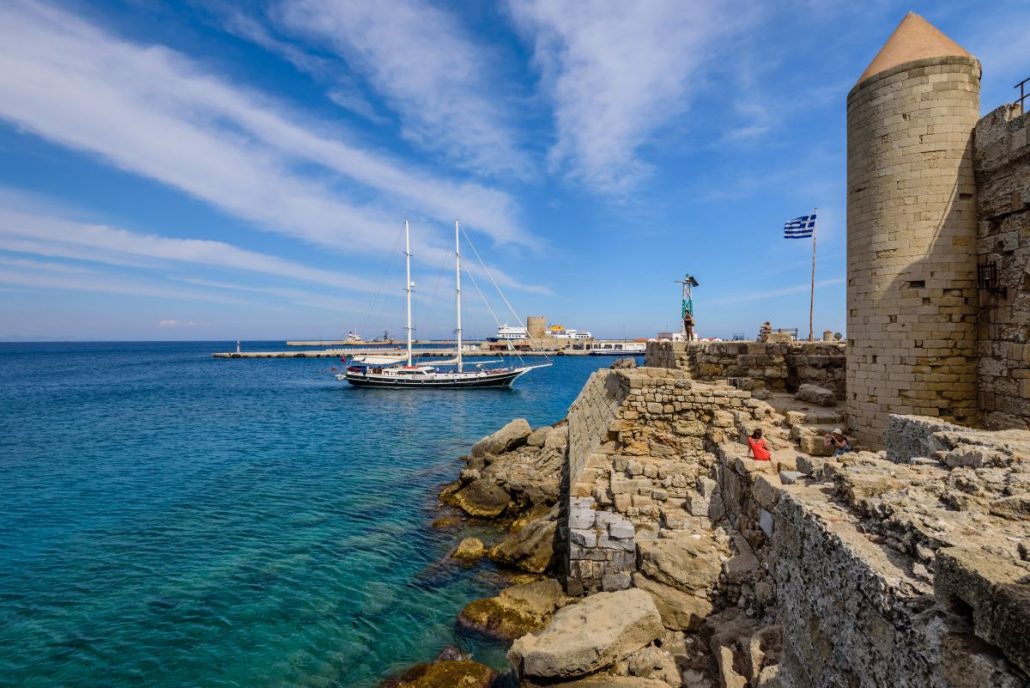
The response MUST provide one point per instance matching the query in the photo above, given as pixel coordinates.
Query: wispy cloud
(617, 72)
(27, 232)
(172, 324)
(154, 112)
(431, 71)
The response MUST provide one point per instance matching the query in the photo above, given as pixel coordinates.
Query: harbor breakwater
(677, 560)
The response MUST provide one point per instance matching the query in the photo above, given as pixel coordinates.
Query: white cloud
(28, 232)
(618, 71)
(153, 112)
(427, 67)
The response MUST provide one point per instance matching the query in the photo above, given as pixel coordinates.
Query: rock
(447, 523)
(615, 682)
(482, 499)
(514, 612)
(628, 362)
(790, 477)
(530, 549)
(688, 563)
(539, 436)
(679, 610)
(739, 567)
(588, 636)
(814, 394)
(452, 653)
(652, 662)
(444, 674)
(507, 438)
(469, 550)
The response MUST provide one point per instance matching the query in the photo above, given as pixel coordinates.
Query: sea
(170, 519)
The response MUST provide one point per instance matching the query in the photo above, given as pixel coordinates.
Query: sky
(217, 170)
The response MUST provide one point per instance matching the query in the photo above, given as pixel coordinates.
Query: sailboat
(406, 373)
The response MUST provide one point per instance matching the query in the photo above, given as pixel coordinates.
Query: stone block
(583, 538)
(813, 394)
(621, 529)
(994, 592)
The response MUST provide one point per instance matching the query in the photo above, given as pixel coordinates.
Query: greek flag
(800, 227)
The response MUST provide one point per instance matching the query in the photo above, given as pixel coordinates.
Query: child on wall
(757, 447)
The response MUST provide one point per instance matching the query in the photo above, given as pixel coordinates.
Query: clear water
(167, 519)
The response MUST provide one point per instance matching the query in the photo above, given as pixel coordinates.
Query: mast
(457, 286)
(811, 299)
(409, 285)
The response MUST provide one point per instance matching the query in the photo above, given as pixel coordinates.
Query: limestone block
(814, 394)
(679, 610)
(586, 637)
(997, 593)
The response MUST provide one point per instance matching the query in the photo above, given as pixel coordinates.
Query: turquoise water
(167, 519)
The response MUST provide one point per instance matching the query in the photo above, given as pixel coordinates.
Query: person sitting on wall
(838, 442)
(757, 446)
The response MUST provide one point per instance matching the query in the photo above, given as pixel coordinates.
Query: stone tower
(911, 290)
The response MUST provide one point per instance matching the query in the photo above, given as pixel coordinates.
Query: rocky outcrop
(510, 437)
(515, 611)
(589, 636)
(531, 547)
(463, 673)
(469, 550)
(510, 472)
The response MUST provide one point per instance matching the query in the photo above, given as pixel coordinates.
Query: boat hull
(486, 380)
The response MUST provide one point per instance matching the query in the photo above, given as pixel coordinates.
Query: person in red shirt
(757, 446)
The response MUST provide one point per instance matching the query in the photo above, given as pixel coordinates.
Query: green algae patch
(460, 673)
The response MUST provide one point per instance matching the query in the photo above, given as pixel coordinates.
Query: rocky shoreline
(656, 634)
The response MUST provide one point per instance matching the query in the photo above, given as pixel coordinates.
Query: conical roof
(914, 39)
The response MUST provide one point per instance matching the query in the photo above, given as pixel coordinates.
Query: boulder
(688, 562)
(616, 682)
(482, 499)
(512, 435)
(538, 436)
(516, 611)
(680, 611)
(531, 548)
(462, 673)
(586, 637)
(813, 394)
(469, 550)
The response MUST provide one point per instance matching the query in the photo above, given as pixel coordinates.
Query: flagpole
(811, 300)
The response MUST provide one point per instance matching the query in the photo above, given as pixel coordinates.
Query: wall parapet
(776, 367)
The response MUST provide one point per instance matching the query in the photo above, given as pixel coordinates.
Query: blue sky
(214, 170)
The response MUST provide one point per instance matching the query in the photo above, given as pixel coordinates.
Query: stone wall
(908, 571)
(777, 367)
(883, 575)
(1002, 163)
(911, 282)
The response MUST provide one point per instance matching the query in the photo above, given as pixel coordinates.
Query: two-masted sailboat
(404, 373)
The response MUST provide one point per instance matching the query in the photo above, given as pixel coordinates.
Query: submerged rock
(588, 636)
(482, 499)
(516, 611)
(462, 673)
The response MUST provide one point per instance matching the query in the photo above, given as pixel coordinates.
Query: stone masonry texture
(1002, 163)
(911, 282)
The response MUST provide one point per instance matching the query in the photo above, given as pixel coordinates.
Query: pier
(351, 351)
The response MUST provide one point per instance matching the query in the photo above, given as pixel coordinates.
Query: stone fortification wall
(1002, 163)
(911, 282)
(888, 575)
(868, 571)
(776, 367)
